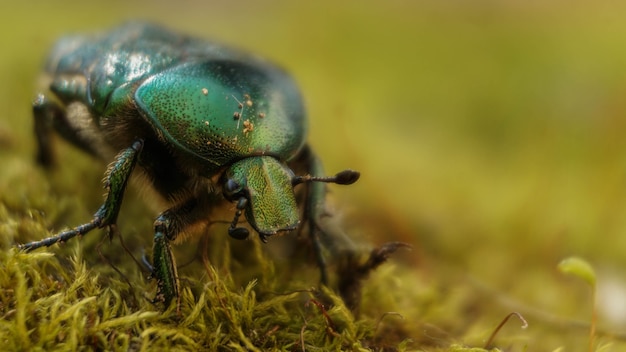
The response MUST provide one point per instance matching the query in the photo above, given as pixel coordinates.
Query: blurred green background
(489, 134)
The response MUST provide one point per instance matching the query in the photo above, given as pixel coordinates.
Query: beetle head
(263, 190)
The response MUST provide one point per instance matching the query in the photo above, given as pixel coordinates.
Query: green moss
(47, 305)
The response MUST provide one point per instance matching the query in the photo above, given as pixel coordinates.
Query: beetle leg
(322, 233)
(45, 114)
(115, 182)
(74, 126)
(163, 264)
(167, 227)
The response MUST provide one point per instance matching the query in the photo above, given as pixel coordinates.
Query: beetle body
(211, 105)
(205, 124)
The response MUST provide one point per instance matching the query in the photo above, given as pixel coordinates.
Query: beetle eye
(232, 190)
(231, 186)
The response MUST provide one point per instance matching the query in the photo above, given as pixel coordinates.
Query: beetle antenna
(345, 177)
(239, 233)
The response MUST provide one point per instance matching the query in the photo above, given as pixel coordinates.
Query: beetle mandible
(205, 123)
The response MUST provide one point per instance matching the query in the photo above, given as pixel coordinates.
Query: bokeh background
(489, 134)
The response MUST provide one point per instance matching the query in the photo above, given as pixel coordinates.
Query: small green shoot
(582, 269)
(579, 267)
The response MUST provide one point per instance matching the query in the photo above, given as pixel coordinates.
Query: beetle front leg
(116, 180)
(167, 227)
(321, 232)
(163, 264)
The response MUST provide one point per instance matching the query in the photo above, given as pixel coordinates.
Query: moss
(47, 305)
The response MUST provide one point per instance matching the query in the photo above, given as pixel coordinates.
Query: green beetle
(205, 123)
